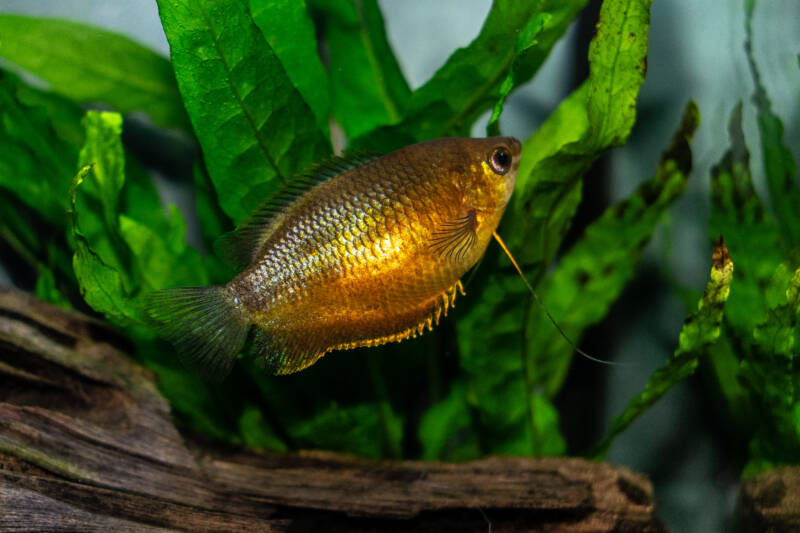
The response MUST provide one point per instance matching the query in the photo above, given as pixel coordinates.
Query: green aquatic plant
(254, 96)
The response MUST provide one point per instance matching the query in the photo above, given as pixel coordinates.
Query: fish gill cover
(246, 85)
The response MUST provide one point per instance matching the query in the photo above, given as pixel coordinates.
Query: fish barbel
(366, 251)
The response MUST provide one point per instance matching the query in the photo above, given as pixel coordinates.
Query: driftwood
(88, 444)
(770, 501)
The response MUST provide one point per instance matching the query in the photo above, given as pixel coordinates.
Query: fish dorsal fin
(241, 246)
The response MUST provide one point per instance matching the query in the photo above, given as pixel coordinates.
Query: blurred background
(696, 52)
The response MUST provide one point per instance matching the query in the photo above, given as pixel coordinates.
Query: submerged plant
(246, 84)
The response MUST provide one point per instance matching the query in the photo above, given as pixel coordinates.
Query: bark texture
(770, 501)
(87, 443)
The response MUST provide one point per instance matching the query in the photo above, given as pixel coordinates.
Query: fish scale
(370, 255)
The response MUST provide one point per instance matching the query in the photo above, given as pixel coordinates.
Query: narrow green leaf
(591, 276)
(700, 330)
(525, 41)
(779, 165)
(124, 242)
(103, 151)
(547, 194)
(91, 65)
(367, 86)
(290, 33)
(471, 79)
(617, 65)
(103, 287)
(255, 129)
(547, 197)
(750, 234)
(770, 373)
(753, 238)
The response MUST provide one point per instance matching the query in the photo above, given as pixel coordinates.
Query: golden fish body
(372, 255)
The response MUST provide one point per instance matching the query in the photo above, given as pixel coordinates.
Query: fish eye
(500, 160)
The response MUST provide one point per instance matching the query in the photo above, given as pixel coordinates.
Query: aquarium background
(693, 455)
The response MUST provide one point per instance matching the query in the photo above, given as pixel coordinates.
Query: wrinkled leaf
(617, 65)
(546, 197)
(700, 330)
(255, 129)
(368, 88)
(90, 65)
(469, 82)
(289, 31)
(591, 276)
(750, 234)
(102, 286)
(753, 238)
(770, 373)
(525, 41)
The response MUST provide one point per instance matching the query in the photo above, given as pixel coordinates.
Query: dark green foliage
(250, 88)
(254, 126)
(700, 330)
(89, 65)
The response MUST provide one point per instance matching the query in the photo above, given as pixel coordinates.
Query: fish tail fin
(206, 326)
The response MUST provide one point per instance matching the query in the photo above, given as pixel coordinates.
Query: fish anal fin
(277, 354)
(242, 246)
(426, 318)
(281, 351)
(454, 239)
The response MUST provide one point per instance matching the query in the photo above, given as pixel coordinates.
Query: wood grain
(88, 444)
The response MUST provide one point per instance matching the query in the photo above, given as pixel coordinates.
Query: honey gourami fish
(365, 252)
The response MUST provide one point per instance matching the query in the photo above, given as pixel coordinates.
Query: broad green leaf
(769, 372)
(255, 129)
(91, 65)
(546, 197)
(470, 81)
(289, 31)
(36, 162)
(591, 276)
(700, 330)
(779, 164)
(525, 41)
(367, 87)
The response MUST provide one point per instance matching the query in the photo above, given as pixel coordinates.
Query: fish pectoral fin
(454, 239)
(277, 354)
